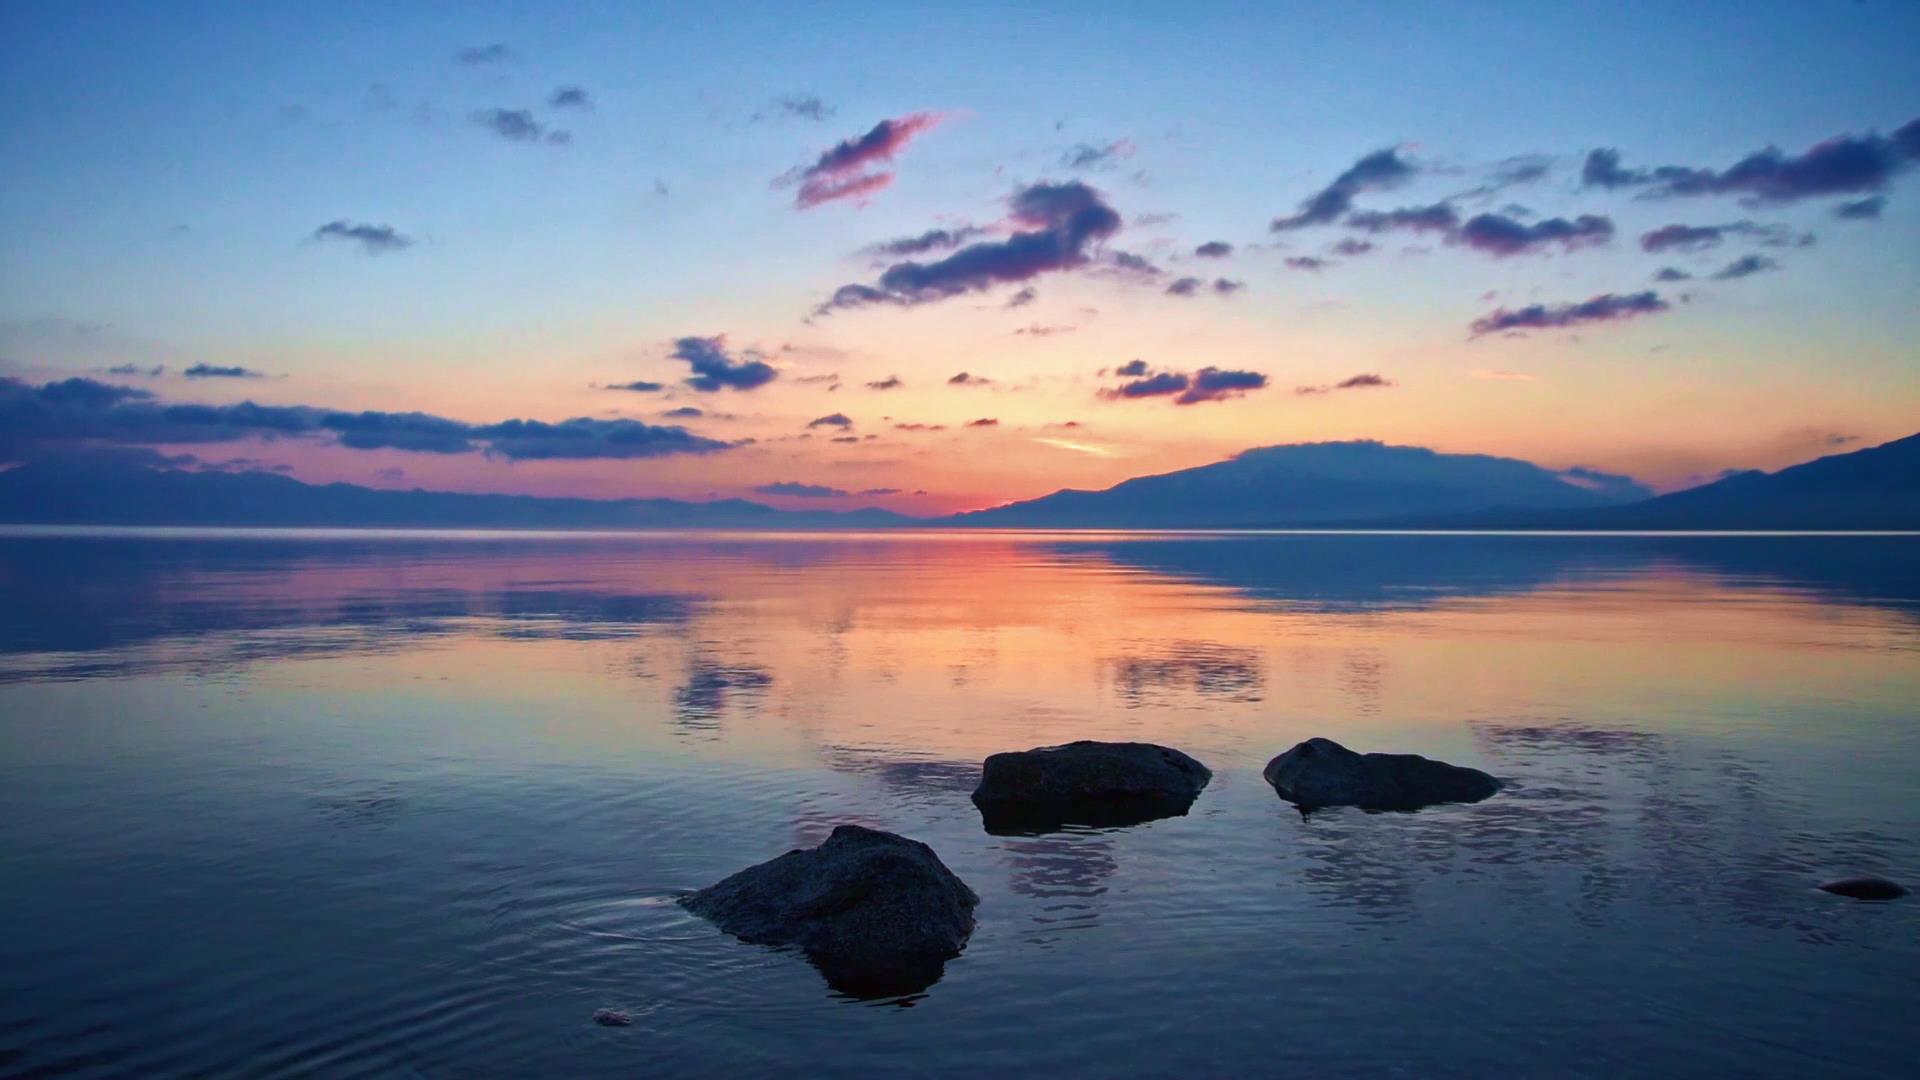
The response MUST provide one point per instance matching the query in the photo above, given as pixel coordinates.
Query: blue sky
(167, 167)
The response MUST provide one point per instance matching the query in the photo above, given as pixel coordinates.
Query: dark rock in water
(611, 1018)
(1321, 772)
(878, 914)
(1086, 783)
(1865, 888)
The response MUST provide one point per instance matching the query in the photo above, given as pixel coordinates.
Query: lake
(403, 804)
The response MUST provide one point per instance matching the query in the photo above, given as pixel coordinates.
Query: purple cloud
(1060, 223)
(1607, 307)
(836, 420)
(1861, 209)
(714, 370)
(1214, 249)
(1378, 171)
(1310, 263)
(1745, 266)
(1501, 236)
(1440, 217)
(964, 379)
(1701, 237)
(931, 240)
(891, 382)
(841, 171)
(1215, 384)
(373, 239)
(1843, 165)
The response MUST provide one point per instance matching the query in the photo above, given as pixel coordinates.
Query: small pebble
(1865, 888)
(611, 1018)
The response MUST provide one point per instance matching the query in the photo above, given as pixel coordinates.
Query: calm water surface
(343, 804)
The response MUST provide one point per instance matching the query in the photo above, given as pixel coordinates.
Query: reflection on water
(346, 804)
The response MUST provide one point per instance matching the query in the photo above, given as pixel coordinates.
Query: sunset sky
(1149, 236)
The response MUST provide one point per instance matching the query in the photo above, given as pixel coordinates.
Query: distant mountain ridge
(1875, 489)
(1326, 484)
(1306, 485)
(72, 493)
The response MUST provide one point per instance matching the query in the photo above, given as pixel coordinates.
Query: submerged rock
(1321, 772)
(1865, 888)
(878, 914)
(611, 1018)
(1087, 783)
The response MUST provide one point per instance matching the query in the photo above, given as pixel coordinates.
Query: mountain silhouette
(1316, 484)
(1873, 489)
(82, 491)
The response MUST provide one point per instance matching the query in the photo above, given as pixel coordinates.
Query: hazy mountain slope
(1335, 483)
(62, 492)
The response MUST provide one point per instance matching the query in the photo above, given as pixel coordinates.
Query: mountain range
(1306, 485)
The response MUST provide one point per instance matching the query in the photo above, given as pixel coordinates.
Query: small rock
(1865, 888)
(611, 1018)
(878, 914)
(1321, 772)
(1087, 783)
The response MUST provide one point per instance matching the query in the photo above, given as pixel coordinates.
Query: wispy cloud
(1607, 307)
(1378, 171)
(841, 172)
(372, 239)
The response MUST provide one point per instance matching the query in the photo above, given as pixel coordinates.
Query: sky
(750, 250)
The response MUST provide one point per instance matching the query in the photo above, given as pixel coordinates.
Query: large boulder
(878, 914)
(1866, 888)
(1086, 783)
(1321, 772)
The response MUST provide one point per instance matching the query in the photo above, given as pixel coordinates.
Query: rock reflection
(1594, 820)
(1067, 872)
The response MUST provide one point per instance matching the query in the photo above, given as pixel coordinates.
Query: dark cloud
(804, 106)
(217, 371)
(845, 439)
(881, 491)
(1131, 369)
(1216, 384)
(82, 412)
(1351, 247)
(797, 490)
(1089, 156)
(1366, 381)
(1607, 307)
(515, 124)
(841, 171)
(1226, 286)
(415, 431)
(153, 372)
(919, 427)
(1061, 221)
(570, 97)
(1161, 385)
(475, 55)
(837, 420)
(891, 382)
(1186, 286)
(1502, 236)
(684, 412)
(1672, 273)
(931, 240)
(1701, 237)
(985, 421)
(1861, 209)
(964, 379)
(1214, 249)
(1378, 171)
(1026, 295)
(1440, 217)
(1307, 262)
(639, 386)
(1842, 165)
(586, 437)
(1745, 266)
(714, 370)
(373, 239)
